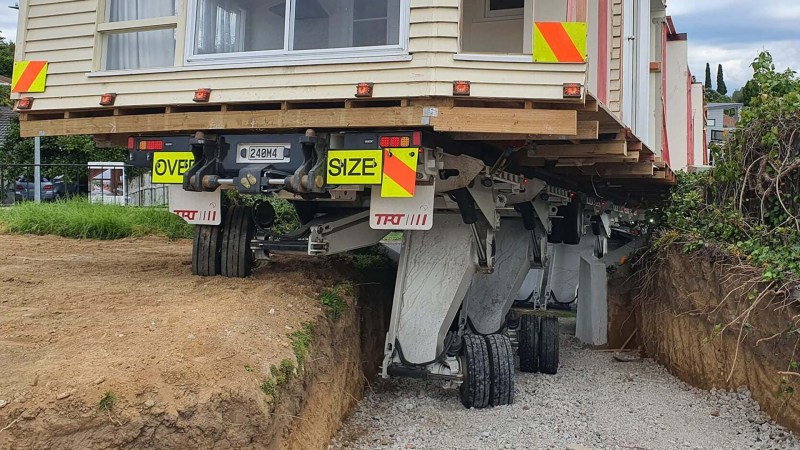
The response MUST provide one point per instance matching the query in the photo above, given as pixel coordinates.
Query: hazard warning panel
(399, 172)
(29, 76)
(559, 42)
(411, 213)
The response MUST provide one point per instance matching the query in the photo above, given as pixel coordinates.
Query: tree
(708, 78)
(721, 88)
(6, 57)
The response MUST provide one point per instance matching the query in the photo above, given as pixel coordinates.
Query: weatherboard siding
(63, 32)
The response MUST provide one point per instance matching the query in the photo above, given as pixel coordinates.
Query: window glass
(226, 26)
(120, 10)
(321, 24)
(500, 5)
(141, 49)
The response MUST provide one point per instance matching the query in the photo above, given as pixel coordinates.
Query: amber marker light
(572, 90)
(108, 99)
(25, 103)
(202, 95)
(364, 89)
(461, 87)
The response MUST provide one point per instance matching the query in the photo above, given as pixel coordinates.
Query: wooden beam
(228, 120)
(499, 120)
(634, 170)
(611, 148)
(587, 130)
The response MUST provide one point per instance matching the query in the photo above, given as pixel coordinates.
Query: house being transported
(487, 130)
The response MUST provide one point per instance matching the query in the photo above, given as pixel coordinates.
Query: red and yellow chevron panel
(29, 76)
(559, 42)
(399, 172)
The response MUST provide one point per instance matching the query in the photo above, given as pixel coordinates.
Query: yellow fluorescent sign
(355, 166)
(169, 167)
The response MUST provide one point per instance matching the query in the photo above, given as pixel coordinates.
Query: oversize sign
(169, 167)
(355, 166)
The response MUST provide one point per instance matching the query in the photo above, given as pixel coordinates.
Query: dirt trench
(701, 317)
(178, 361)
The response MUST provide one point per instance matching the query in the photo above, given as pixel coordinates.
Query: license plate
(275, 153)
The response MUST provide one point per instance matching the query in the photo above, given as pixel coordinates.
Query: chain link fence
(102, 182)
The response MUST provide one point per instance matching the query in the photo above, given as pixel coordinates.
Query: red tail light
(151, 145)
(416, 138)
(395, 141)
(131, 143)
(48, 187)
(20, 187)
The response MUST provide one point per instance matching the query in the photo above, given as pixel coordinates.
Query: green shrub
(80, 219)
(301, 342)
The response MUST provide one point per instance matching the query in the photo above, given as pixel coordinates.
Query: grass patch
(280, 376)
(107, 401)
(333, 302)
(301, 342)
(394, 236)
(80, 219)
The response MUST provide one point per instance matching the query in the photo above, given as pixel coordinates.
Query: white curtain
(220, 27)
(142, 49)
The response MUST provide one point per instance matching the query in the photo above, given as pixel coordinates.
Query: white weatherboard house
(275, 54)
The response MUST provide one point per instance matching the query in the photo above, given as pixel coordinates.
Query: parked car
(52, 189)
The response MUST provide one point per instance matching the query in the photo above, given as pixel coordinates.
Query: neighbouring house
(5, 81)
(721, 119)
(6, 115)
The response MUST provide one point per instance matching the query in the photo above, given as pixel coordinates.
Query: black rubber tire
(528, 344)
(548, 345)
(237, 258)
(206, 247)
(475, 389)
(501, 369)
(572, 222)
(556, 235)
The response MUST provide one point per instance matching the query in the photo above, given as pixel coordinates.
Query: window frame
(711, 122)
(105, 27)
(284, 55)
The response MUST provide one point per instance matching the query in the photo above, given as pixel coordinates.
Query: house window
(253, 28)
(138, 34)
(711, 122)
(504, 8)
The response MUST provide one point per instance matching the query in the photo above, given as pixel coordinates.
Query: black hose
(448, 342)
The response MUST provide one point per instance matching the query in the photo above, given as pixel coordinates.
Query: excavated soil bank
(682, 322)
(179, 359)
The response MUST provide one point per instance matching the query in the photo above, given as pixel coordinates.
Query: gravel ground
(594, 402)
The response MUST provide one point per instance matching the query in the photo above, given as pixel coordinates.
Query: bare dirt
(183, 357)
(703, 319)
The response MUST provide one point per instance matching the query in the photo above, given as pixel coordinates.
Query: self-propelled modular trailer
(474, 225)
(486, 131)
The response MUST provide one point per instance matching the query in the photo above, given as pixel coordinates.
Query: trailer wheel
(501, 368)
(529, 344)
(572, 222)
(548, 345)
(477, 378)
(206, 246)
(237, 258)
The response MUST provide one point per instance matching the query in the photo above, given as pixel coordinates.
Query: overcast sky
(727, 32)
